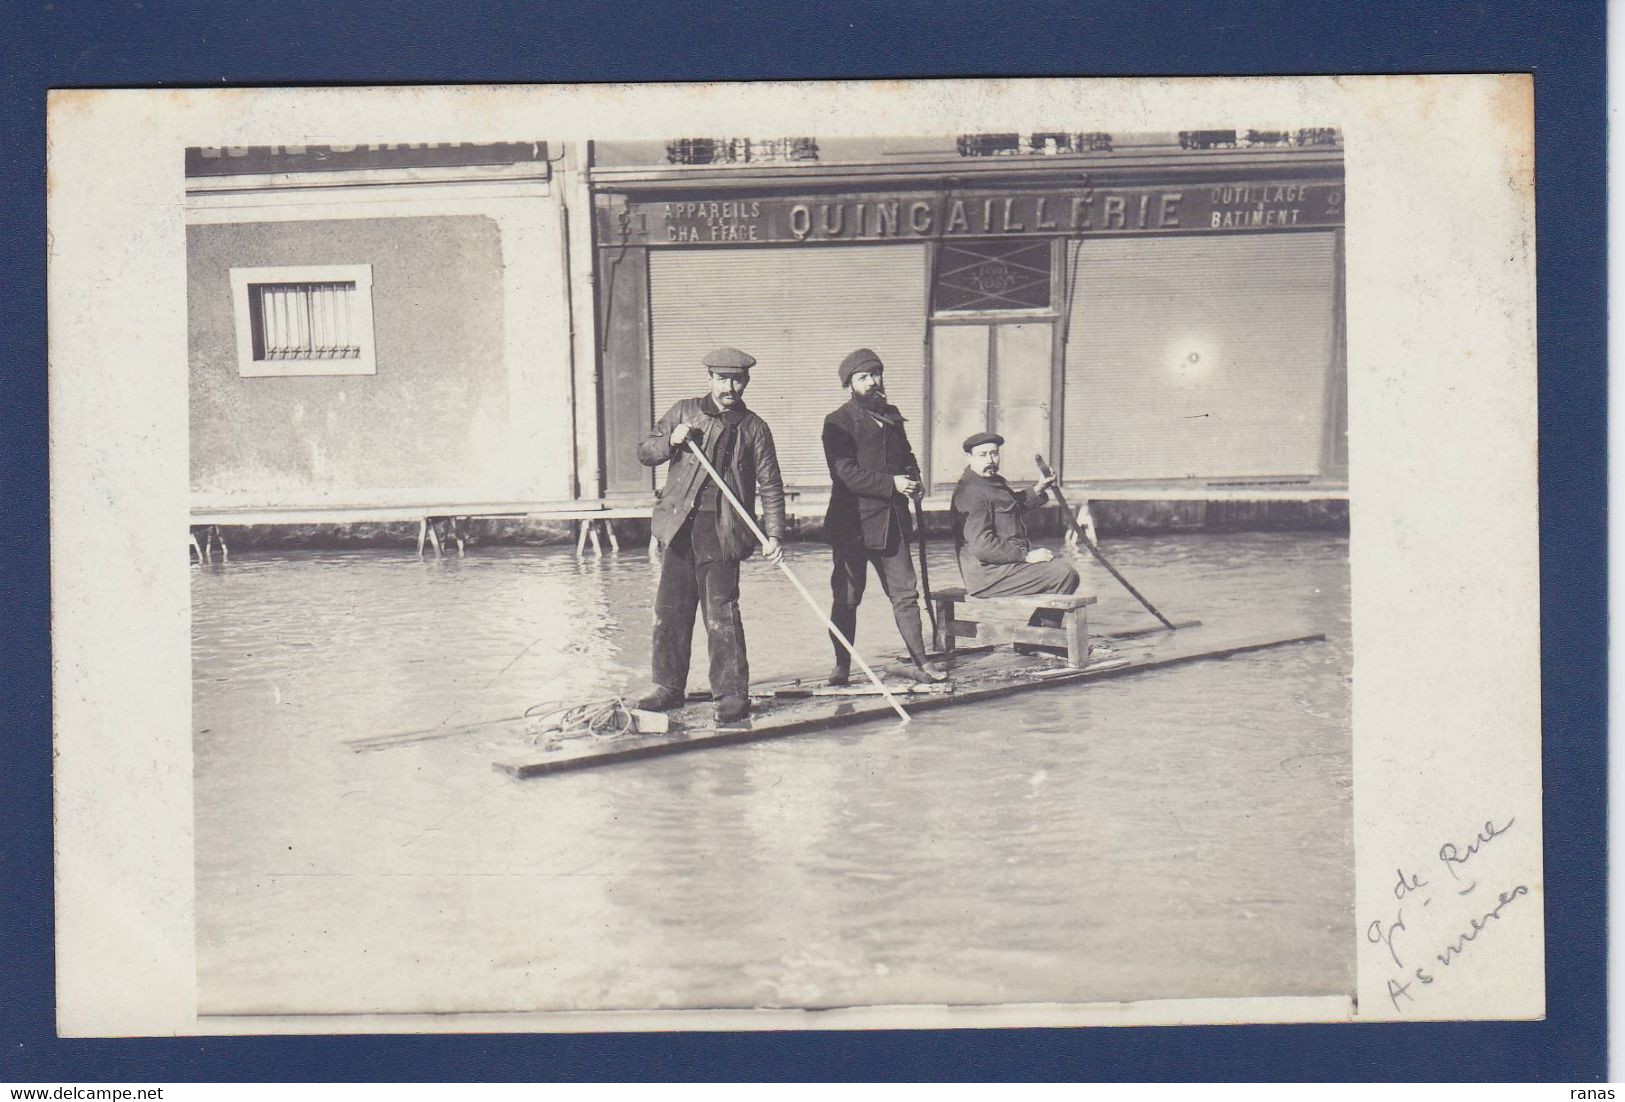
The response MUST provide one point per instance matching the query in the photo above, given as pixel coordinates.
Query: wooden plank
(1028, 601)
(997, 632)
(1098, 666)
(860, 690)
(1060, 602)
(1076, 630)
(429, 734)
(997, 676)
(957, 652)
(1153, 629)
(695, 698)
(766, 692)
(1038, 636)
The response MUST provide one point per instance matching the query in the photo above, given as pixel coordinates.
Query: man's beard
(873, 398)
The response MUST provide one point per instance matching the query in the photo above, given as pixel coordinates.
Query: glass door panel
(958, 395)
(1021, 412)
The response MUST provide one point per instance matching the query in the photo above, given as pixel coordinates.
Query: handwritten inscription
(1457, 947)
(1420, 958)
(1454, 856)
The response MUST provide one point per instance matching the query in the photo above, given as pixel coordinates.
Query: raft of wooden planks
(797, 707)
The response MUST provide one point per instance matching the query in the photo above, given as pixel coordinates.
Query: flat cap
(864, 359)
(729, 361)
(980, 438)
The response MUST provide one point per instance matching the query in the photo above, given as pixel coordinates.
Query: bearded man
(875, 477)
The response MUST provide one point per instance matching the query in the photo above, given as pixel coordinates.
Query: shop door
(996, 377)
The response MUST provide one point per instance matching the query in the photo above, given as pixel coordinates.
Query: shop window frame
(948, 316)
(244, 279)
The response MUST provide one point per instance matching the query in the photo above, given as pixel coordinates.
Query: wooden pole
(761, 538)
(925, 573)
(1072, 522)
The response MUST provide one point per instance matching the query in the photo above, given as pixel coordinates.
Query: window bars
(304, 321)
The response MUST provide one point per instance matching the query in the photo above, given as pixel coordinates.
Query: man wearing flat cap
(704, 538)
(996, 558)
(874, 475)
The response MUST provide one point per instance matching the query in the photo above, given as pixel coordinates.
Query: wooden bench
(1042, 621)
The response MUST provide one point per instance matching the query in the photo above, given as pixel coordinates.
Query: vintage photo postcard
(816, 556)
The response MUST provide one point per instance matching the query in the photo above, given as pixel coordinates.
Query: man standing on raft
(703, 537)
(875, 475)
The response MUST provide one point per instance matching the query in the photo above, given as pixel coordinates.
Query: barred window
(304, 321)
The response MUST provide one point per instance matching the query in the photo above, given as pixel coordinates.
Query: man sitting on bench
(995, 557)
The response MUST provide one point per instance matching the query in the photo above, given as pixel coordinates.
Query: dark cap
(729, 361)
(864, 359)
(983, 438)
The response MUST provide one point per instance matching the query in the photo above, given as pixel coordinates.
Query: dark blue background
(69, 44)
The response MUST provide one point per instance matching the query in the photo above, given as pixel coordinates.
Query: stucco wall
(436, 418)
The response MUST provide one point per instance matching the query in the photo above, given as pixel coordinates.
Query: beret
(983, 438)
(729, 361)
(864, 359)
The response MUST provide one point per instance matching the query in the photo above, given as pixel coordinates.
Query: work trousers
(695, 571)
(896, 572)
(1018, 579)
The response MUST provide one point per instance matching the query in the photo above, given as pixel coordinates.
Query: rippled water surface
(1178, 833)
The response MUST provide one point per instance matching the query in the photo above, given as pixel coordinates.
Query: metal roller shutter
(799, 312)
(1199, 357)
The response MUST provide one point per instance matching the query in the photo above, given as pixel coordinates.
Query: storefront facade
(1166, 316)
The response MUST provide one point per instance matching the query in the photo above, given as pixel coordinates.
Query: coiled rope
(561, 720)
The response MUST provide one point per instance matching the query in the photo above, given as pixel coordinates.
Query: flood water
(1177, 833)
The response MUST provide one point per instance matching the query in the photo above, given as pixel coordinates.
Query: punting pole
(761, 538)
(1072, 522)
(925, 573)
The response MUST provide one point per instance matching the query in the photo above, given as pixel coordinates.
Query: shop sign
(1086, 211)
(237, 160)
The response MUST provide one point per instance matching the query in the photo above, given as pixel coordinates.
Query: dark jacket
(755, 465)
(864, 457)
(988, 525)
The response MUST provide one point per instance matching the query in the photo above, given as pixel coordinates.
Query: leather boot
(658, 699)
(732, 709)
